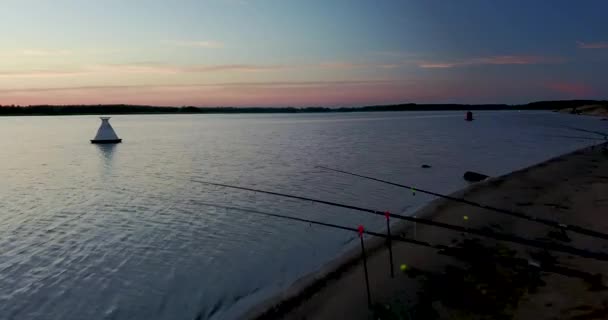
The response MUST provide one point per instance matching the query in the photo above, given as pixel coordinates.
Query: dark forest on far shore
(142, 109)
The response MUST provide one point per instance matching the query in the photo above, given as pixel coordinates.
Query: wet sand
(572, 189)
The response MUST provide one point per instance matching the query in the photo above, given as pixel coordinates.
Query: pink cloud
(306, 93)
(40, 73)
(493, 60)
(168, 69)
(266, 84)
(592, 45)
(275, 93)
(577, 90)
(437, 65)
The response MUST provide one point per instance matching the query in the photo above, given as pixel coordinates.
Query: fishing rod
(575, 137)
(480, 232)
(551, 223)
(441, 249)
(325, 224)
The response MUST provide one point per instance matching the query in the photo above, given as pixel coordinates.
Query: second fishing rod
(551, 223)
(453, 251)
(480, 232)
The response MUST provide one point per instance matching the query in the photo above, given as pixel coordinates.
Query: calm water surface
(122, 232)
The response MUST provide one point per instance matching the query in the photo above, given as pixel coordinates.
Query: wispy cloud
(141, 68)
(342, 65)
(492, 60)
(148, 68)
(346, 65)
(37, 52)
(40, 73)
(397, 54)
(257, 84)
(197, 44)
(233, 67)
(163, 68)
(569, 89)
(160, 68)
(592, 45)
(438, 65)
(365, 91)
(327, 93)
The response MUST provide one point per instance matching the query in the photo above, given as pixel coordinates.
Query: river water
(123, 232)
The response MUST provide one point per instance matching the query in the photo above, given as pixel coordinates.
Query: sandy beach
(598, 110)
(571, 189)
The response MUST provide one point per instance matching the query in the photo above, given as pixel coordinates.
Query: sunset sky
(301, 53)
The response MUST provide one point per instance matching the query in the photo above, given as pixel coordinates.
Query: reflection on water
(120, 232)
(106, 153)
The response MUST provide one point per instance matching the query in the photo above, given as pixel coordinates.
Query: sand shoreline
(304, 288)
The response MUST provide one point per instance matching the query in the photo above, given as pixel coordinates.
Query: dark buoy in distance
(469, 116)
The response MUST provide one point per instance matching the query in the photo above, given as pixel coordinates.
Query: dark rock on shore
(474, 176)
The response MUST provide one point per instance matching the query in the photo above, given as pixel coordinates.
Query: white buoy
(105, 133)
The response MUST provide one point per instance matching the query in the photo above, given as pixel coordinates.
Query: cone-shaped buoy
(469, 116)
(105, 133)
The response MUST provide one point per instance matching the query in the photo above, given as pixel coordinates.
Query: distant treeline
(138, 109)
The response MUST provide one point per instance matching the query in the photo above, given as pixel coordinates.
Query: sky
(301, 53)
